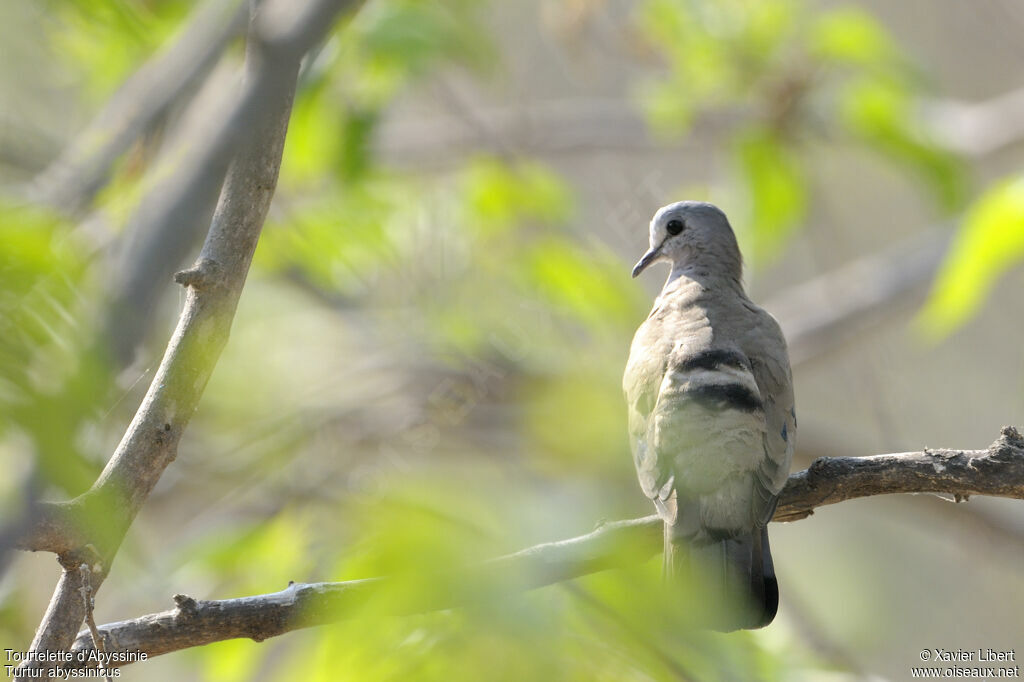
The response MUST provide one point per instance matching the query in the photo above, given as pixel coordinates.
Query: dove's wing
(766, 348)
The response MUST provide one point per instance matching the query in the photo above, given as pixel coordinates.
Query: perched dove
(711, 414)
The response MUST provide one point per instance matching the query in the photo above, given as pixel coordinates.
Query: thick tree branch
(259, 118)
(52, 528)
(997, 471)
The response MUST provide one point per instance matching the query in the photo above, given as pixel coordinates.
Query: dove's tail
(739, 573)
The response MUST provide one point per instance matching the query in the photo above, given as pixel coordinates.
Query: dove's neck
(715, 278)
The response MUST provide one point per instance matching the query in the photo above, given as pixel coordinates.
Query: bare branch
(977, 129)
(818, 314)
(998, 471)
(198, 622)
(53, 527)
(260, 118)
(589, 124)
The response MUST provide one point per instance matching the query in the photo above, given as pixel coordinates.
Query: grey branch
(977, 129)
(169, 220)
(997, 471)
(587, 124)
(72, 180)
(53, 527)
(255, 127)
(819, 314)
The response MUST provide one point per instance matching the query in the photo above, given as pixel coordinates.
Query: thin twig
(85, 575)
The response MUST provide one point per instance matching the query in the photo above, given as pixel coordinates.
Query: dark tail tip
(771, 600)
(768, 590)
(739, 573)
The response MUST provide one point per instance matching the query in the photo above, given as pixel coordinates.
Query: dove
(712, 420)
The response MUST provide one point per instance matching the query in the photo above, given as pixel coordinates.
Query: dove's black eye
(674, 227)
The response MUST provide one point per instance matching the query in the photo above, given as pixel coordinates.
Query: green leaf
(990, 241)
(105, 41)
(392, 42)
(592, 285)
(338, 242)
(668, 113)
(849, 35)
(776, 187)
(234, 660)
(500, 196)
(48, 382)
(314, 138)
(882, 111)
(716, 53)
(595, 441)
(416, 34)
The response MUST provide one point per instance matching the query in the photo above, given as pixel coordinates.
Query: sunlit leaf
(592, 405)
(394, 41)
(668, 114)
(234, 660)
(715, 53)
(882, 111)
(499, 197)
(849, 35)
(314, 138)
(416, 34)
(990, 241)
(47, 382)
(777, 191)
(339, 242)
(263, 557)
(106, 41)
(591, 285)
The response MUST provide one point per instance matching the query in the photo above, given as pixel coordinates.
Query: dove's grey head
(696, 238)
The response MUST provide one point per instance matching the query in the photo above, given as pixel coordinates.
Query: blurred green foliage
(782, 75)
(48, 379)
(990, 241)
(882, 111)
(450, 391)
(609, 626)
(385, 50)
(102, 43)
(795, 72)
(777, 189)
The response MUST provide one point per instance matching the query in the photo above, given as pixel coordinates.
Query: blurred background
(425, 366)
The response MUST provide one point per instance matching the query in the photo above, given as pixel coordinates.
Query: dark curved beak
(646, 260)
